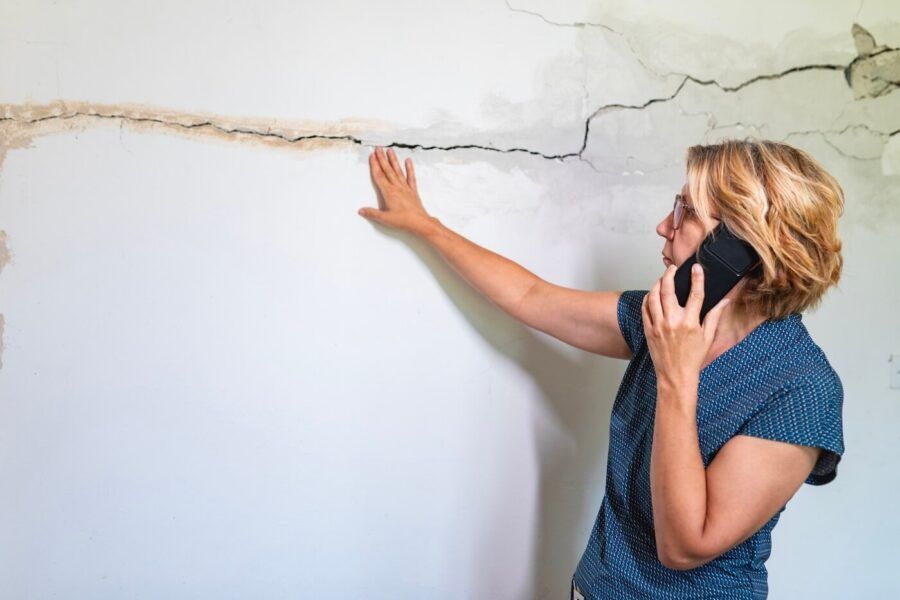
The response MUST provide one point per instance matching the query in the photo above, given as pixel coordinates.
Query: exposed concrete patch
(876, 71)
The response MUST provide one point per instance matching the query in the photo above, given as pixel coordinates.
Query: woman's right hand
(397, 193)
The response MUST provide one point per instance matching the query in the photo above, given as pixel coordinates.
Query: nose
(666, 227)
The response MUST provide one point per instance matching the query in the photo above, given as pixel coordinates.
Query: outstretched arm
(582, 318)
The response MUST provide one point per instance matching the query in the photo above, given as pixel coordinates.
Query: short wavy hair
(786, 205)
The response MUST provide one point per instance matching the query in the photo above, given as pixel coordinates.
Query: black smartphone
(725, 258)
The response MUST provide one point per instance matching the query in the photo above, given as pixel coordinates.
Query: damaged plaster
(876, 71)
(187, 279)
(20, 123)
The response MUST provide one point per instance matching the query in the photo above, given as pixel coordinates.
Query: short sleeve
(805, 412)
(631, 322)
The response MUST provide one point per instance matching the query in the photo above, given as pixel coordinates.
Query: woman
(716, 424)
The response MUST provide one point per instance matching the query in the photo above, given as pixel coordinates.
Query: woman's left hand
(677, 341)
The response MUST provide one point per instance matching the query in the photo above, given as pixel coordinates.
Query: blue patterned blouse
(776, 383)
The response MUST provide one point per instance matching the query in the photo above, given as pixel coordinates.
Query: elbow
(680, 560)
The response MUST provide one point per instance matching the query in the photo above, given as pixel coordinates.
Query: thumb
(711, 321)
(371, 213)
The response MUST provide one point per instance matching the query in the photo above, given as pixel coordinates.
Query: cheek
(683, 247)
(680, 250)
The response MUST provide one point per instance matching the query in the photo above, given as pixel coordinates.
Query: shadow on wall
(576, 394)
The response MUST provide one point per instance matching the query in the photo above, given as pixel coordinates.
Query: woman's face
(684, 241)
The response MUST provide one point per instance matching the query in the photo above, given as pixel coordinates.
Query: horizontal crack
(874, 52)
(271, 134)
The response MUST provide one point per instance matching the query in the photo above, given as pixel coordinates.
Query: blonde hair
(784, 204)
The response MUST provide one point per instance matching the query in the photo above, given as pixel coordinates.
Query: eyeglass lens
(678, 211)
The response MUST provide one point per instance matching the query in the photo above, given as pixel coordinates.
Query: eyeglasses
(679, 209)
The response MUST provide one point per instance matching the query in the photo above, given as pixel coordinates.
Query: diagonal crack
(854, 72)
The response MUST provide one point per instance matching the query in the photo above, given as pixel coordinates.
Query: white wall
(219, 381)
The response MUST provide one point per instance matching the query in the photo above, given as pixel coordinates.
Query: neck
(734, 325)
(737, 321)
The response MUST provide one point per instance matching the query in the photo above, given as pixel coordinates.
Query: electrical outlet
(894, 363)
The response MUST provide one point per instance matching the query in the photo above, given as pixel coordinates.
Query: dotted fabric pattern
(777, 384)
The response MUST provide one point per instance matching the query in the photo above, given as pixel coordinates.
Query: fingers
(695, 298)
(395, 164)
(411, 175)
(645, 313)
(380, 177)
(385, 165)
(654, 305)
(667, 291)
(375, 168)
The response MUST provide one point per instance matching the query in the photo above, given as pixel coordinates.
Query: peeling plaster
(20, 123)
(876, 71)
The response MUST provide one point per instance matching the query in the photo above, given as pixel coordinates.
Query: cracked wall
(191, 310)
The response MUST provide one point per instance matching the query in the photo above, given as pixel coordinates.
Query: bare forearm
(503, 281)
(677, 474)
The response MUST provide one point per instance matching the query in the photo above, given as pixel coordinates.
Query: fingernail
(695, 268)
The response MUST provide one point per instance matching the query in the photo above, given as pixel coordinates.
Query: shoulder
(808, 371)
(804, 406)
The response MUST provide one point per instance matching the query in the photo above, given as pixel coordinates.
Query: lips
(666, 261)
